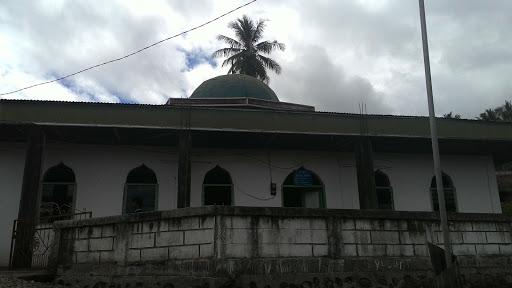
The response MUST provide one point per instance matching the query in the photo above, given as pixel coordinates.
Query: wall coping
(282, 212)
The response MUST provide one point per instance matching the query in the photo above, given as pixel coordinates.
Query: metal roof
(226, 119)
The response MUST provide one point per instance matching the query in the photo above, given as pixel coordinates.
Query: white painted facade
(12, 162)
(101, 173)
(474, 179)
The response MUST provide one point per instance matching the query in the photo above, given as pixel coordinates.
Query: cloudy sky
(338, 53)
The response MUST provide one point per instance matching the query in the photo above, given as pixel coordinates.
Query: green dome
(234, 86)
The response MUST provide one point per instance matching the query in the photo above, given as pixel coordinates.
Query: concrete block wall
(174, 238)
(377, 238)
(249, 243)
(122, 239)
(92, 244)
(477, 238)
(262, 236)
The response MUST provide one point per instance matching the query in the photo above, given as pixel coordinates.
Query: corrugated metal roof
(210, 107)
(235, 109)
(78, 102)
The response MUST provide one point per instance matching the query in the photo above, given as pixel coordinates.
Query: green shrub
(506, 207)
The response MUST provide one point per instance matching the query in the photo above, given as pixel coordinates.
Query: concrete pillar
(29, 197)
(365, 173)
(184, 168)
(494, 194)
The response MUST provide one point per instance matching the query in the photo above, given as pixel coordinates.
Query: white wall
(101, 173)
(348, 181)
(12, 162)
(474, 179)
(251, 174)
(410, 176)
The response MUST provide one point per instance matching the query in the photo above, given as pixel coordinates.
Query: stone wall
(278, 247)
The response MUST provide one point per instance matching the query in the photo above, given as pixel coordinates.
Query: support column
(184, 169)
(365, 174)
(29, 197)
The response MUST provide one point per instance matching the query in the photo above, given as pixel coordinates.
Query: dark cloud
(469, 44)
(77, 35)
(387, 30)
(312, 79)
(339, 53)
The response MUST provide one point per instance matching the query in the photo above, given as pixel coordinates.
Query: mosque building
(233, 143)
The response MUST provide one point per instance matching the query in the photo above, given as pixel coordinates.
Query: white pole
(435, 146)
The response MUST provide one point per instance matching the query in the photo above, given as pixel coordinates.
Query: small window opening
(384, 191)
(217, 187)
(449, 194)
(141, 190)
(57, 194)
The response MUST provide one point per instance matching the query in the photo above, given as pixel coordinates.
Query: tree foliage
(506, 207)
(501, 113)
(244, 55)
(451, 116)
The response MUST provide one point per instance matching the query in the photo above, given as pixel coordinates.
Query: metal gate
(32, 238)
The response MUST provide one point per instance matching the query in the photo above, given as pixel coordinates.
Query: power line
(131, 54)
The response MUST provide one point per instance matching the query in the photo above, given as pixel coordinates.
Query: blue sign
(302, 177)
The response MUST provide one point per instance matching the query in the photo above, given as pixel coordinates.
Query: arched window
(217, 187)
(303, 188)
(450, 198)
(57, 193)
(384, 191)
(140, 191)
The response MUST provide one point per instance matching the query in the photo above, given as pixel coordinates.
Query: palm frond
(267, 47)
(226, 52)
(233, 25)
(230, 41)
(270, 64)
(252, 66)
(249, 65)
(243, 28)
(232, 70)
(262, 73)
(231, 60)
(258, 31)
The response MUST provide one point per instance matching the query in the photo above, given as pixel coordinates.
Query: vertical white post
(435, 146)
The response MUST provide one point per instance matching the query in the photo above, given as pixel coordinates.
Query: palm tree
(506, 111)
(244, 53)
(500, 113)
(490, 115)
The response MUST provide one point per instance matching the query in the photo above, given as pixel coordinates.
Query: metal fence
(32, 238)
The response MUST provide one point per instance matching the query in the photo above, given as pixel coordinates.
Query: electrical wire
(252, 196)
(337, 149)
(270, 165)
(131, 54)
(285, 168)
